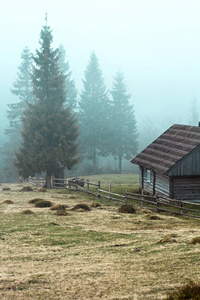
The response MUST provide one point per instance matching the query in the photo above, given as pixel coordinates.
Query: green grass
(97, 254)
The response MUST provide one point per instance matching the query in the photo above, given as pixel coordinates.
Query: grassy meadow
(95, 254)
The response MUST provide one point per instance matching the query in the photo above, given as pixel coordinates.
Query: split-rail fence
(155, 203)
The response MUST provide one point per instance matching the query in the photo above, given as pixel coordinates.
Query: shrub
(43, 203)
(190, 290)
(81, 206)
(127, 208)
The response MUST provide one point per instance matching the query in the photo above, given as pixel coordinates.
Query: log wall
(162, 185)
(186, 188)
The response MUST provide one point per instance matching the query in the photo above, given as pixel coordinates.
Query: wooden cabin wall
(189, 166)
(158, 184)
(162, 185)
(148, 186)
(186, 188)
(141, 177)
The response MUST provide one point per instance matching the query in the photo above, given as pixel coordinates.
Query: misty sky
(155, 43)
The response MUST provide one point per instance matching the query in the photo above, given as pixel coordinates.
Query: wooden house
(170, 166)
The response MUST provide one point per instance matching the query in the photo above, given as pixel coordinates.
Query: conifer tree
(72, 91)
(22, 89)
(49, 130)
(123, 123)
(94, 109)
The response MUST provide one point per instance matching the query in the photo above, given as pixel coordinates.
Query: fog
(156, 44)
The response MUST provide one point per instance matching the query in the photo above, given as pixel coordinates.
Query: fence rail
(36, 181)
(167, 205)
(157, 203)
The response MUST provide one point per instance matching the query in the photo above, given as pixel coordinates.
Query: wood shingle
(169, 148)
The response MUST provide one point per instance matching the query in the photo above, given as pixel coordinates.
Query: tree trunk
(120, 164)
(48, 180)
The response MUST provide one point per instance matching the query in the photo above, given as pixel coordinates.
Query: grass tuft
(72, 197)
(61, 212)
(59, 207)
(166, 240)
(27, 212)
(153, 217)
(195, 240)
(43, 203)
(95, 204)
(26, 189)
(7, 202)
(6, 189)
(127, 208)
(81, 206)
(35, 200)
(190, 290)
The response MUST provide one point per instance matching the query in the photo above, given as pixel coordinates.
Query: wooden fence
(36, 181)
(163, 204)
(155, 203)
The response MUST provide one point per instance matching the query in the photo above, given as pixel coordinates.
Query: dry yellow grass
(98, 254)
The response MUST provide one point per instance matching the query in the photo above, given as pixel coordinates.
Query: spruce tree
(94, 109)
(49, 130)
(22, 89)
(123, 125)
(72, 91)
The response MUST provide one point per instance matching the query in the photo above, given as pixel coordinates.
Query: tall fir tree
(49, 130)
(94, 106)
(22, 89)
(72, 91)
(123, 124)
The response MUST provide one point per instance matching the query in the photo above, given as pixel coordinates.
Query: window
(148, 176)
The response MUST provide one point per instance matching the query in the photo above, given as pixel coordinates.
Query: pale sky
(155, 43)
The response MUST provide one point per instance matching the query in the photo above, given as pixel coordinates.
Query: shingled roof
(169, 148)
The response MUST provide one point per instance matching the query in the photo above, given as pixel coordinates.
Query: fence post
(66, 183)
(181, 204)
(99, 186)
(88, 185)
(157, 203)
(109, 190)
(52, 182)
(141, 204)
(126, 197)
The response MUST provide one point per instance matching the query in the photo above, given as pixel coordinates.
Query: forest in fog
(53, 127)
(86, 99)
